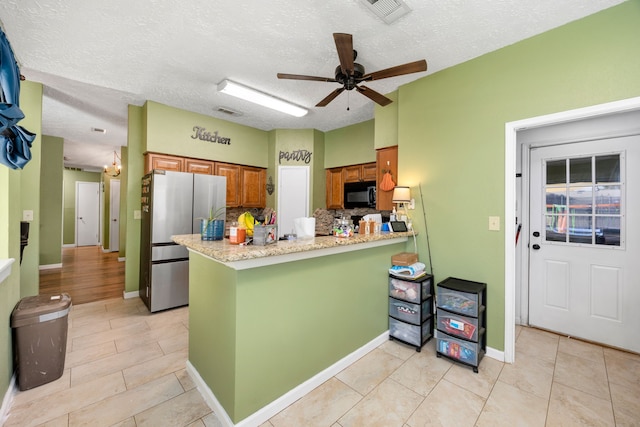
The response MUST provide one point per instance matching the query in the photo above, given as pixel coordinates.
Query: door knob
(536, 234)
(536, 246)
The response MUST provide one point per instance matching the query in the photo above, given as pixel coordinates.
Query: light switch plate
(137, 214)
(494, 223)
(27, 215)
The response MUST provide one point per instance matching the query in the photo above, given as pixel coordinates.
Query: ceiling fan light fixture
(248, 94)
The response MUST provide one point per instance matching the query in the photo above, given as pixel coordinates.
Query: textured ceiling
(95, 57)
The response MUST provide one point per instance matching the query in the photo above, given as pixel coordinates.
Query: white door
(293, 196)
(87, 213)
(584, 243)
(114, 216)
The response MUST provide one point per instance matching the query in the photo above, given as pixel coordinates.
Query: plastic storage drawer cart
(411, 310)
(40, 338)
(461, 319)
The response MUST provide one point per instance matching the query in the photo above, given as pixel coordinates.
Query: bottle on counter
(393, 215)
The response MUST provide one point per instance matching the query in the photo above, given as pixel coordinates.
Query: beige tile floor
(126, 367)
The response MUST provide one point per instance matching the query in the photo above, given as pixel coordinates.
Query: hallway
(87, 275)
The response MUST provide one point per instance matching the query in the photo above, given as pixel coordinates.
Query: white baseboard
(7, 400)
(50, 266)
(267, 412)
(495, 354)
(129, 295)
(122, 259)
(69, 245)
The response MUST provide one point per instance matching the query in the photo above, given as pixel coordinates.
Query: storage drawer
(458, 301)
(409, 312)
(410, 291)
(464, 351)
(411, 334)
(461, 326)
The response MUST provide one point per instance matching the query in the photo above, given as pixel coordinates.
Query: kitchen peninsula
(265, 320)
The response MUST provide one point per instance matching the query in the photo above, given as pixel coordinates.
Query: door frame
(510, 182)
(114, 233)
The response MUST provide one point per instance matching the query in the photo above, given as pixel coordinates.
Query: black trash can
(40, 338)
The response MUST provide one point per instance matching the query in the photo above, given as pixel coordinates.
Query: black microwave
(360, 194)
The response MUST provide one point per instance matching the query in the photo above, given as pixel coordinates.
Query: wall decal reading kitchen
(202, 134)
(296, 156)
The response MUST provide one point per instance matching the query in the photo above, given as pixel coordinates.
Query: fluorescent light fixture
(252, 95)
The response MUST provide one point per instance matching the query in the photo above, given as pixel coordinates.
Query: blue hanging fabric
(15, 141)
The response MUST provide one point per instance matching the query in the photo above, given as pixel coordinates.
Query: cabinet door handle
(536, 247)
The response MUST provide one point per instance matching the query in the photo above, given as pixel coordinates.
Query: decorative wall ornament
(296, 156)
(270, 186)
(202, 134)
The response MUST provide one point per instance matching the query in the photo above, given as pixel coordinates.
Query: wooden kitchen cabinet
(163, 162)
(232, 172)
(199, 166)
(386, 160)
(359, 173)
(334, 188)
(369, 171)
(253, 181)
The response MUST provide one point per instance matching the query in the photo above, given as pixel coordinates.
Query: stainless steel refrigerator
(172, 203)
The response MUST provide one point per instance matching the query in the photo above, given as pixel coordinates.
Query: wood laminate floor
(87, 275)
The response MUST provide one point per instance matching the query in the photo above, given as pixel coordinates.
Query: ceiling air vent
(387, 10)
(228, 111)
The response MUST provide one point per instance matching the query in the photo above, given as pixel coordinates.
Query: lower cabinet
(411, 310)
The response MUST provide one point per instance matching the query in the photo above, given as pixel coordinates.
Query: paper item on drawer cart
(412, 270)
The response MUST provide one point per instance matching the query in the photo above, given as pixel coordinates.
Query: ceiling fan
(350, 74)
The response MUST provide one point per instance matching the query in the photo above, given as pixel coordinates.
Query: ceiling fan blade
(303, 77)
(373, 95)
(398, 70)
(330, 97)
(344, 45)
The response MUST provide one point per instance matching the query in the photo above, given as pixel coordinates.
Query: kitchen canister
(237, 234)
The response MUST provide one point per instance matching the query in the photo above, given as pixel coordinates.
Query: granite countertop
(225, 252)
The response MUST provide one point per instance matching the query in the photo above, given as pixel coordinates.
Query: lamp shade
(401, 195)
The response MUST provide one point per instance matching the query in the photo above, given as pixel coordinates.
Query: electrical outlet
(494, 223)
(27, 215)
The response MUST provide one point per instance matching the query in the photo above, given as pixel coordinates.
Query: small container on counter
(237, 234)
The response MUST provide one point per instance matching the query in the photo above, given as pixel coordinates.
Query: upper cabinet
(386, 160)
(163, 162)
(334, 188)
(232, 172)
(246, 185)
(253, 182)
(199, 166)
(358, 173)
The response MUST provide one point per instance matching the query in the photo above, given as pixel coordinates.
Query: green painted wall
(124, 154)
(256, 334)
(31, 105)
(451, 131)
(132, 172)
(12, 202)
(319, 199)
(70, 177)
(51, 178)
(386, 123)
(350, 145)
(169, 130)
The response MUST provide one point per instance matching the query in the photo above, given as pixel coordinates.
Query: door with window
(584, 278)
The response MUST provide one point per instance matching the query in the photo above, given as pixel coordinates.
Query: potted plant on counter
(212, 228)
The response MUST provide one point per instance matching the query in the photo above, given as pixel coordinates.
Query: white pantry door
(87, 213)
(293, 196)
(585, 240)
